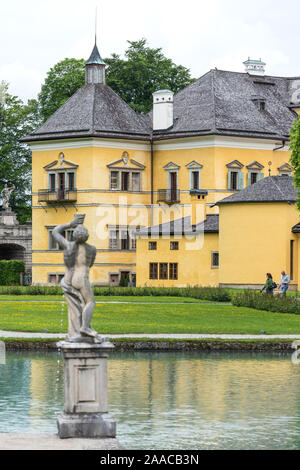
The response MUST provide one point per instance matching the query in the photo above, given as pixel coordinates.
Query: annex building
(198, 192)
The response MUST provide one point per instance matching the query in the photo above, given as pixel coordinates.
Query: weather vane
(270, 164)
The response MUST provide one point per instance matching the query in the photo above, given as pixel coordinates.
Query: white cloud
(198, 34)
(23, 82)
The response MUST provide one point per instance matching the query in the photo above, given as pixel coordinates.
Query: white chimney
(254, 67)
(163, 117)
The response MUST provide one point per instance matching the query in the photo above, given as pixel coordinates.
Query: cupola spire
(95, 66)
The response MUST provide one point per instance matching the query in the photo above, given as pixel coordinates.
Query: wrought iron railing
(169, 196)
(57, 195)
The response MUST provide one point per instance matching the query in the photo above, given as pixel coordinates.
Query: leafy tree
(295, 157)
(144, 71)
(62, 81)
(16, 120)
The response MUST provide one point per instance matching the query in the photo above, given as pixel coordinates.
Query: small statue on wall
(5, 196)
(79, 257)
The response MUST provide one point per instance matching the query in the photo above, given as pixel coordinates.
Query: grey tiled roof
(219, 103)
(183, 227)
(223, 103)
(94, 110)
(270, 189)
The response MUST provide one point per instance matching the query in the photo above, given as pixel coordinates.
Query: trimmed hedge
(266, 302)
(10, 271)
(214, 294)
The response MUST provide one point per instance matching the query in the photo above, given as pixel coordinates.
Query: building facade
(136, 176)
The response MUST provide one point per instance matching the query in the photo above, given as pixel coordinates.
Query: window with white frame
(235, 176)
(195, 173)
(122, 239)
(52, 244)
(255, 173)
(59, 179)
(125, 180)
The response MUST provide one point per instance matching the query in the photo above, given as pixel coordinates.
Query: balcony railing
(57, 195)
(169, 196)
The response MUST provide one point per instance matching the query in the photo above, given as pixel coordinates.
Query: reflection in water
(168, 400)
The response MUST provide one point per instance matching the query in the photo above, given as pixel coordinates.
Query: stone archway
(10, 251)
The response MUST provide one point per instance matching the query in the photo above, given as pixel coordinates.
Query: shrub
(259, 301)
(10, 271)
(214, 294)
(30, 290)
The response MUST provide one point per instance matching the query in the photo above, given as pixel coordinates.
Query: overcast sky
(199, 34)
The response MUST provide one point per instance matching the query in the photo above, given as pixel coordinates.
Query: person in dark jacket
(268, 287)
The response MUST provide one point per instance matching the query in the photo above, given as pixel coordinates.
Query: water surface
(168, 400)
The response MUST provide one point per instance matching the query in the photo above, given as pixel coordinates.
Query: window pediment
(286, 168)
(235, 165)
(60, 165)
(126, 164)
(194, 166)
(255, 166)
(171, 166)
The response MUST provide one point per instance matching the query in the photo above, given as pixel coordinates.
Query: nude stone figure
(78, 258)
(5, 195)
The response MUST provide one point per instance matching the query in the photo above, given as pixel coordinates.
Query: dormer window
(260, 103)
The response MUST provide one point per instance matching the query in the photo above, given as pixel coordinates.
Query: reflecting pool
(168, 400)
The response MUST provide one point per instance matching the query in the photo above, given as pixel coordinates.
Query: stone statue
(5, 196)
(78, 258)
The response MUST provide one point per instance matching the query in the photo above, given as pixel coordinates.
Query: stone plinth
(85, 412)
(8, 217)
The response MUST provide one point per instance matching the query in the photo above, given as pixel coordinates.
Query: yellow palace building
(198, 192)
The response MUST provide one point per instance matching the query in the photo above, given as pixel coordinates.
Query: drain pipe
(152, 178)
(281, 146)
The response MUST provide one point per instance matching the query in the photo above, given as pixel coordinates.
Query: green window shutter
(229, 180)
(249, 178)
(260, 176)
(240, 180)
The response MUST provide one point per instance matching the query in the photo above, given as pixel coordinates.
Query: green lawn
(103, 298)
(149, 318)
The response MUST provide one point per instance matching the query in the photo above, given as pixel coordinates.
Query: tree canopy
(62, 81)
(134, 78)
(295, 157)
(16, 120)
(144, 71)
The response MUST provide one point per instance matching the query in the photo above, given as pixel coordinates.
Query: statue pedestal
(85, 412)
(7, 217)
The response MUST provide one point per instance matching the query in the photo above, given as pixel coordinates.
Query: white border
(87, 143)
(219, 141)
(174, 144)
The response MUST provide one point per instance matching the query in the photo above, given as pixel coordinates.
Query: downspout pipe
(152, 177)
(152, 172)
(281, 146)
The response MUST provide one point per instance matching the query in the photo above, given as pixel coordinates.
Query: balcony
(57, 195)
(168, 196)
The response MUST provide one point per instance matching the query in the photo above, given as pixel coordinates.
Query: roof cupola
(95, 68)
(255, 67)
